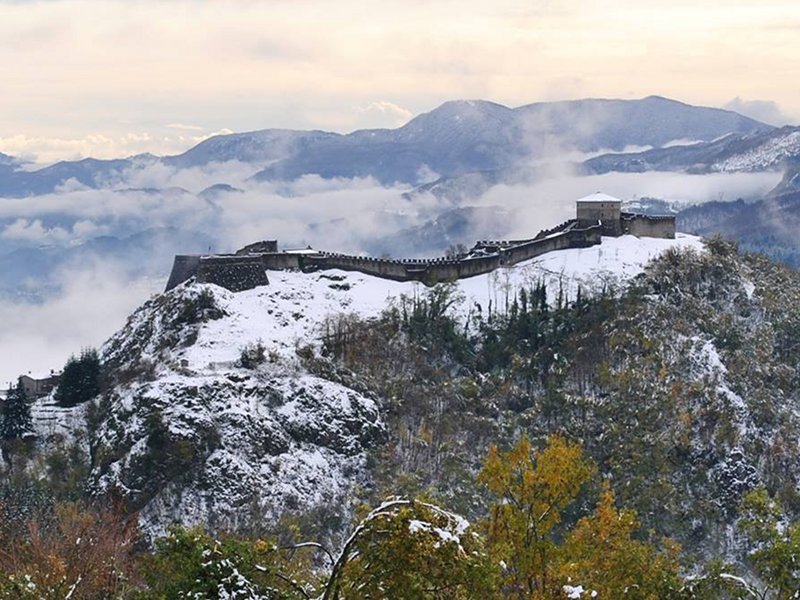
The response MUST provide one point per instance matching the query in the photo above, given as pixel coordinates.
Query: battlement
(597, 215)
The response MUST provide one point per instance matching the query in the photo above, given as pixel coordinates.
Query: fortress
(597, 215)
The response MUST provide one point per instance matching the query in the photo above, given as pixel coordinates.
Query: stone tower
(601, 208)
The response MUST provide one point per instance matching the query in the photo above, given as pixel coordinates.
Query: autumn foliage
(68, 551)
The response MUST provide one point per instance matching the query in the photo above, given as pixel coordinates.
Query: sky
(111, 78)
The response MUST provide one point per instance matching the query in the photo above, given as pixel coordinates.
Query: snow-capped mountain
(468, 136)
(759, 151)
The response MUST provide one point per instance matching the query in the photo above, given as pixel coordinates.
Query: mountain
(592, 125)
(7, 161)
(259, 147)
(768, 226)
(790, 184)
(196, 437)
(466, 136)
(456, 138)
(89, 172)
(297, 400)
(758, 151)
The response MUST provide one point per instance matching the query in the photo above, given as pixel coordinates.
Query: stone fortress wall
(597, 215)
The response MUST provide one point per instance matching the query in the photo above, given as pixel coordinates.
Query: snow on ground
(768, 155)
(278, 438)
(292, 309)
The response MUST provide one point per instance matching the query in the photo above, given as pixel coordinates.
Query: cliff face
(190, 441)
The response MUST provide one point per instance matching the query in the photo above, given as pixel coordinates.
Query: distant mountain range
(456, 152)
(764, 150)
(768, 226)
(457, 138)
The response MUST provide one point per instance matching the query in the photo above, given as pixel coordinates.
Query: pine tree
(80, 380)
(16, 418)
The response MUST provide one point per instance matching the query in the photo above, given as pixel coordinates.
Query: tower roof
(599, 197)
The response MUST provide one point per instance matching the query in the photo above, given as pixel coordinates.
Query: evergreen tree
(16, 418)
(80, 380)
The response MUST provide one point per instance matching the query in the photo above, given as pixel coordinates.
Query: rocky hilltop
(194, 431)
(307, 396)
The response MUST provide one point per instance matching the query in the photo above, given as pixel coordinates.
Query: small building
(600, 208)
(37, 386)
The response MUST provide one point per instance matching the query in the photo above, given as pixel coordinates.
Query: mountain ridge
(457, 137)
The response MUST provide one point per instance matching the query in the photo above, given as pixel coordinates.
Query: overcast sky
(114, 77)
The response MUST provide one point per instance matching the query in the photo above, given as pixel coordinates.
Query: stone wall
(184, 267)
(432, 271)
(211, 269)
(280, 261)
(246, 269)
(259, 247)
(573, 238)
(647, 226)
(235, 273)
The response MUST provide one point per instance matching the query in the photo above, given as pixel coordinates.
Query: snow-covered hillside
(291, 311)
(189, 434)
(771, 154)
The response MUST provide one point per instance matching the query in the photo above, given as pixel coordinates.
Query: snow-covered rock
(188, 434)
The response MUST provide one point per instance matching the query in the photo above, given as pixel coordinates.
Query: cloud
(44, 150)
(183, 127)
(93, 304)
(333, 214)
(765, 111)
(33, 231)
(381, 114)
(204, 63)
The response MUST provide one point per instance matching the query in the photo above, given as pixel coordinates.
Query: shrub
(71, 552)
(190, 563)
(251, 355)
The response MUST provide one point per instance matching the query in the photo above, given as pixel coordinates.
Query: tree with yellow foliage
(601, 555)
(533, 489)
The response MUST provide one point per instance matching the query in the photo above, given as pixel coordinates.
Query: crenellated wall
(648, 226)
(432, 271)
(247, 268)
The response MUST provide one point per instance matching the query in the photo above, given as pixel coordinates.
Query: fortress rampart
(247, 268)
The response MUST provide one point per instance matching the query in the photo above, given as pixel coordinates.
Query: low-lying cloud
(765, 111)
(95, 294)
(92, 305)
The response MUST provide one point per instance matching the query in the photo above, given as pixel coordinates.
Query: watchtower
(601, 208)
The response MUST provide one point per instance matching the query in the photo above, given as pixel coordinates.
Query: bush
(252, 355)
(71, 552)
(189, 563)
